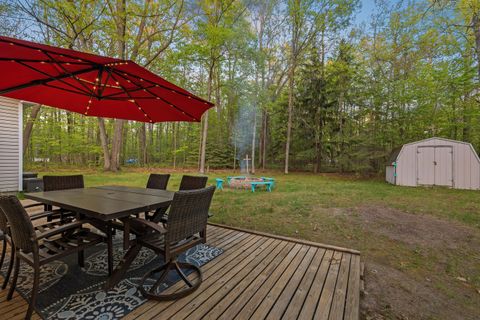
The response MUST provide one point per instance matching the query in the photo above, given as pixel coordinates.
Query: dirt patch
(392, 294)
(416, 229)
(426, 291)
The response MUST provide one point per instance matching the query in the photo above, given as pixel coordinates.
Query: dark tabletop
(106, 202)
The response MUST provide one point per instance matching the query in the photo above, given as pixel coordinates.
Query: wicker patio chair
(38, 248)
(54, 183)
(158, 181)
(7, 240)
(187, 183)
(185, 229)
(4, 237)
(193, 182)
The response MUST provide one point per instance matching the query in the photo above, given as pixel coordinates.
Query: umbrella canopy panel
(92, 85)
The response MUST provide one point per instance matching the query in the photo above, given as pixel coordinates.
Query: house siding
(10, 145)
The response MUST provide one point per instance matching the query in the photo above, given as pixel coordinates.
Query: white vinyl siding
(10, 145)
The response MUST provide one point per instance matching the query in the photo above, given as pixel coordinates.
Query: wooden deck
(258, 276)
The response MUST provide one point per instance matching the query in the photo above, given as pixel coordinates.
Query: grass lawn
(421, 246)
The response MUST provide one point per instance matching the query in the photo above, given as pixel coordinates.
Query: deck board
(294, 307)
(257, 277)
(325, 301)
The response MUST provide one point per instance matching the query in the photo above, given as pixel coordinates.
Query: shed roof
(438, 138)
(394, 154)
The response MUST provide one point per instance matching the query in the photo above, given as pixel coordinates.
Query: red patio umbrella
(92, 85)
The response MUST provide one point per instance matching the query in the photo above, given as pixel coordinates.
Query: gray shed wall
(390, 174)
(465, 166)
(11, 158)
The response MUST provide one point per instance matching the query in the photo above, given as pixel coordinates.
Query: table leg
(109, 250)
(126, 233)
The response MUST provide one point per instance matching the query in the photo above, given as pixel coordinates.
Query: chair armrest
(61, 229)
(152, 225)
(33, 205)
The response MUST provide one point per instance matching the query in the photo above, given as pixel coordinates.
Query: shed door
(426, 165)
(444, 166)
(435, 165)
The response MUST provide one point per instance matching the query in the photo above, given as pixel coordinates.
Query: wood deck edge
(306, 242)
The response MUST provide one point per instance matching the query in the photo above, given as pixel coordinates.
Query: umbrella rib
(98, 81)
(66, 71)
(43, 81)
(65, 89)
(109, 74)
(161, 98)
(67, 75)
(14, 42)
(113, 95)
(167, 88)
(45, 61)
(133, 100)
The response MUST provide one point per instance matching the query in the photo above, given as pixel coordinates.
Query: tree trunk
(174, 145)
(116, 145)
(264, 137)
(104, 142)
(143, 144)
(476, 31)
(205, 119)
(150, 143)
(254, 138)
(27, 132)
(218, 95)
(318, 147)
(260, 143)
(121, 25)
(290, 112)
(204, 142)
(318, 157)
(291, 81)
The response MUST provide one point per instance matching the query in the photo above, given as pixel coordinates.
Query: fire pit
(242, 182)
(246, 182)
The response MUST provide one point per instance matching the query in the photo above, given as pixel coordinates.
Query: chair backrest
(158, 181)
(193, 182)
(3, 222)
(188, 213)
(52, 183)
(21, 227)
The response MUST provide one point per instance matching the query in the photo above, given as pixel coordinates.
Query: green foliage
(412, 73)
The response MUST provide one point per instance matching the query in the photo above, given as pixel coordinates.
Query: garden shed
(435, 162)
(11, 158)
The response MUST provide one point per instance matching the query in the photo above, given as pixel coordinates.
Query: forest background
(311, 85)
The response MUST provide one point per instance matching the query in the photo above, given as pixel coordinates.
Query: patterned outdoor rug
(70, 292)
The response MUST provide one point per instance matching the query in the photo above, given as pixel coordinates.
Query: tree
(216, 28)
(306, 19)
(27, 131)
(339, 96)
(117, 27)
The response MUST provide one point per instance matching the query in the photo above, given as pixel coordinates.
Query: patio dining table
(105, 204)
